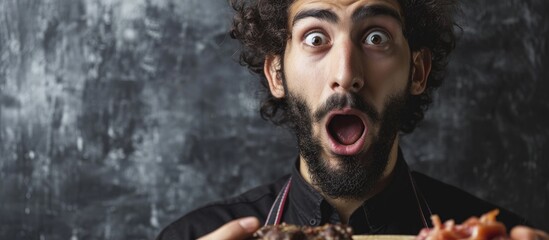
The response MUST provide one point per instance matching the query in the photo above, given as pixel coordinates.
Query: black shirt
(401, 208)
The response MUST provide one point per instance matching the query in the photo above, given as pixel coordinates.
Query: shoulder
(450, 202)
(255, 202)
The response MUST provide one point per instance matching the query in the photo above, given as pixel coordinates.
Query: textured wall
(118, 116)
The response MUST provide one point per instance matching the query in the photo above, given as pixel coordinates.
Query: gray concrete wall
(118, 116)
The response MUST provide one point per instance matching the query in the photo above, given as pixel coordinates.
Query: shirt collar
(306, 200)
(396, 201)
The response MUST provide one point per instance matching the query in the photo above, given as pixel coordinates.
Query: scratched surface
(118, 116)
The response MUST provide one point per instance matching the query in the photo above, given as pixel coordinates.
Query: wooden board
(383, 237)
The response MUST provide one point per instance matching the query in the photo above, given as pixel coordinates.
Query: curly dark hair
(262, 28)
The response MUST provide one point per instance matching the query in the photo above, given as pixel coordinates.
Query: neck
(346, 206)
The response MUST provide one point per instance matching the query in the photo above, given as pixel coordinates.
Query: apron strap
(420, 209)
(275, 214)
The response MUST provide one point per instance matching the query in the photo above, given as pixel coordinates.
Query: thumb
(241, 228)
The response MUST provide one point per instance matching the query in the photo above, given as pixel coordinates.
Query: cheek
(305, 79)
(386, 76)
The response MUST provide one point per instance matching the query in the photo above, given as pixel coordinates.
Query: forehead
(339, 6)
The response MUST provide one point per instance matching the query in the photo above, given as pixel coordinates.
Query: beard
(356, 175)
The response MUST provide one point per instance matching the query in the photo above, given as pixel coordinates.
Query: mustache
(352, 100)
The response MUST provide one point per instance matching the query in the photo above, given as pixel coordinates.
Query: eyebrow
(322, 14)
(376, 10)
(358, 15)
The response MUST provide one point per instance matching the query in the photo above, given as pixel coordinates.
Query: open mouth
(346, 130)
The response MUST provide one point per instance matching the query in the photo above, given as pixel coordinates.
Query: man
(346, 76)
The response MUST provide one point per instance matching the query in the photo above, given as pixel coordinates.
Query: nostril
(357, 84)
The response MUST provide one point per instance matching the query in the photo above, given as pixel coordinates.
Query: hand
(238, 229)
(526, 233)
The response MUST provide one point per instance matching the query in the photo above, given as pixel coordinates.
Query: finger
(522, 233)
(234, 230)
(526, 233)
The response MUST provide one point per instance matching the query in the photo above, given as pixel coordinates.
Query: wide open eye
(376, 38)
(316, 39)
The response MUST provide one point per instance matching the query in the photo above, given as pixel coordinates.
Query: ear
(421, 63)
(272, 72)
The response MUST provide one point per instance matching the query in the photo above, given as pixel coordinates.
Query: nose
(349, 76)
